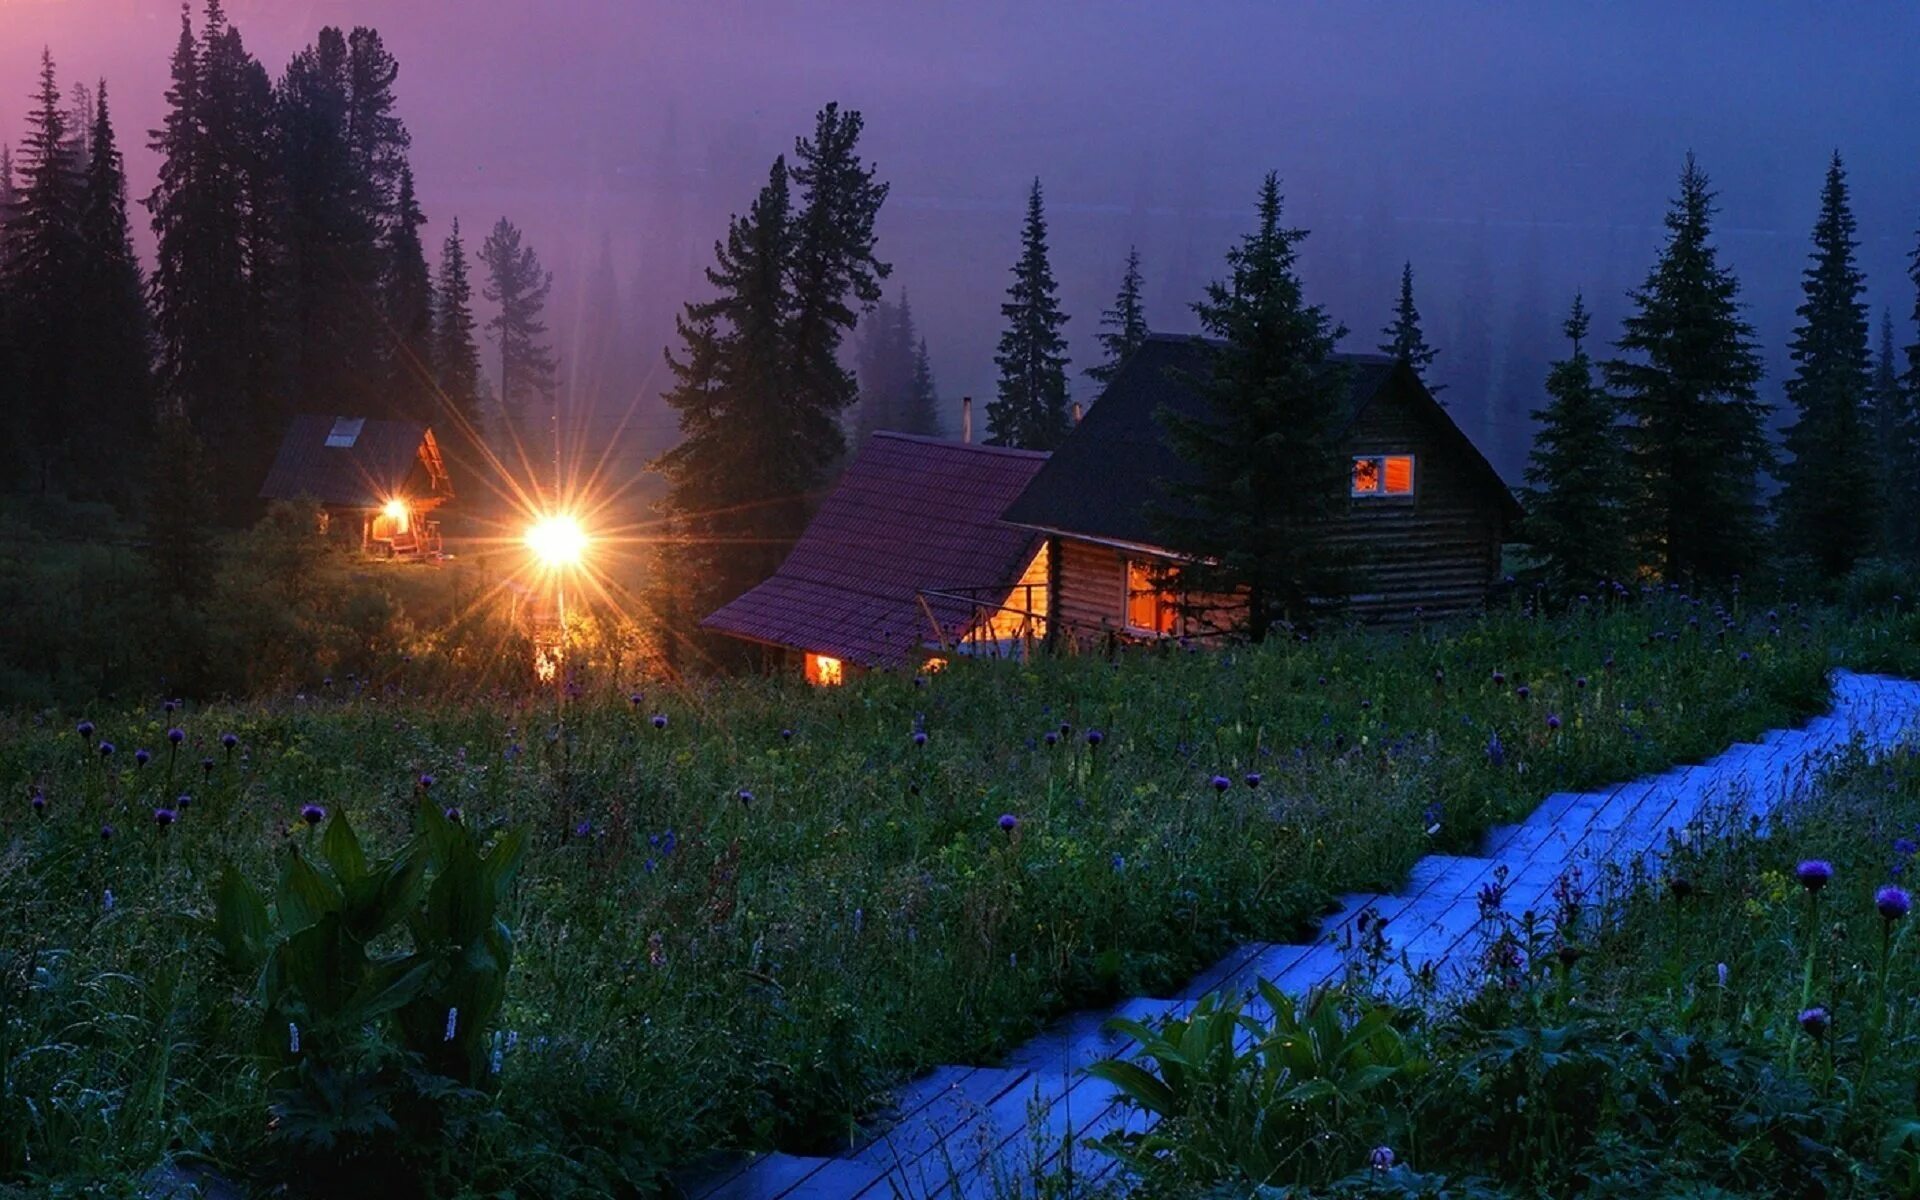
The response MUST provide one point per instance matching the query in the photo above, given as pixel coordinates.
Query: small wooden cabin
(1425, 522)
(906, 560)
(383, 478)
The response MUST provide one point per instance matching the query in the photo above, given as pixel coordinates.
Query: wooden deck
(962, 1131)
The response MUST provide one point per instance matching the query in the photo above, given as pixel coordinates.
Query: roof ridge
(926, 439)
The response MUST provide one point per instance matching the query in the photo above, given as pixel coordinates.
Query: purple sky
(1514, 151)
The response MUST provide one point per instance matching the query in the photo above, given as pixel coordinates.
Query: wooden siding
(1093, 586)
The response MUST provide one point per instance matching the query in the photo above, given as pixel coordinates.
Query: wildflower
(106, 833)
(229, 741)
(1720, 973)
(1366, 704)
(1580, 681)
(859, 919)
(659, 720)
(106, 900)
(1382, 1158)
(106, 749)
(1095, 737)
(169, 706)
(206, 764)
(176, 735)
(1323, 681)
(1814, 873)
(1119, 862)
(746, 797)
(1065, 729)
(656, 950)
(453, 1023)
(424, 782)
(84, 729)
(786, 735)
(919, 737)
(583, 829)
(1906, 846)
(1815, 1021)
(183, 801)
(141, 758)
(1523, 691)
(454, 815)
(164, 817)
(1553, 720)
(1893, 902)
(312, 814)
(1053, 739)
(1009, 822)
(1253, 779)
(39, 803)
(1499, 678)
(1221, 783)
(636, 699)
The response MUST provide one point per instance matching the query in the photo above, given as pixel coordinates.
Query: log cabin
(1424, 523)
(905, 561)
(381, 479)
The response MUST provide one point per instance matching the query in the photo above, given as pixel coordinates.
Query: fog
(1514, 152)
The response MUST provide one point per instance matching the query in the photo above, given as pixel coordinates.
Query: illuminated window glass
(1399, 475)
(1383, 475)
(825, 671)
(1151, 608)
(1366, 476)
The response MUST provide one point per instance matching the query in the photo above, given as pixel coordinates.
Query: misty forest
(1274, 601)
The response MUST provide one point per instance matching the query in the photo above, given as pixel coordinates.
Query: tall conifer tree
(456, 357)
(1405, 341)
(408, 294)
(1124, 326)
(1897, 432)
(923, 397)
(1576, 508)
(518, 285)
(1829, 502)
(1698, 431)
(1030, 409)
(1267, 469)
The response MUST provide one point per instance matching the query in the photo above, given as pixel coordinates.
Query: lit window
(1383, 475)
(1151, 608)
(823, 671)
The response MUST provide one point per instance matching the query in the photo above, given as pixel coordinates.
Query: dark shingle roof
(910, 513)
(364, 474)
(1099, 483)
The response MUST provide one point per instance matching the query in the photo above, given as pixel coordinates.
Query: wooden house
(383, 478)
(906, 560)
(1424, 523)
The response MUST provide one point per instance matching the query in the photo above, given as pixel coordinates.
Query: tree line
(289, 276)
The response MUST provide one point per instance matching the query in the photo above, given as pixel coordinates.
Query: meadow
(734, 913)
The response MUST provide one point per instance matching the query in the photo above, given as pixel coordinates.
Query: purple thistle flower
(636, 699)
(1053, 739)
(164, 817)
(1553, 720)
(1009, 822)
(229, 740)
(746, 797)
(453, 814)
(106, 833)
(583, 829)
(1382, 1158)
(1221, 783)
(141, 758)
(106, 749)
(1499, 678)
(659, 720)
(1580, 681)
(206, 764)
(1814, 873)
(919, 737)
(425, 782)
(39, 803)
(1893, 902)
(84, 729)
(1906, 846)
(1095, 737)
(169, 707)
(1815, 1021)
(176, 735)
(312, 814)
(1253, 779)
(1523, 691)
(786, 735)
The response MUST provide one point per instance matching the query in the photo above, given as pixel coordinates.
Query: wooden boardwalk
(965, 1132)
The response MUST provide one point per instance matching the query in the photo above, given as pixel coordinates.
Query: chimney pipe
(966, 418)
(1078, 412)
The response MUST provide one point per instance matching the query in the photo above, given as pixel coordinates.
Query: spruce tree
(11, 465)
(518, 285)
(1897, 432)
(1576, 508)
(923, 397)
(1030, 409)
(1405, 341)
(884, 366)
(114, 375)
(408, 301)
(1698, 432)
(44, 265)
(1124, 325)
(1267, 469)
(456, 358)
(1829, 502)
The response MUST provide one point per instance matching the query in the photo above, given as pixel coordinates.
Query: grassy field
(747, 908)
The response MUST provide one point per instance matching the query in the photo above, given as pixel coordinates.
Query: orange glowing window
(1151, 607)
(934, 665)
(1383, 475)
(824, 671)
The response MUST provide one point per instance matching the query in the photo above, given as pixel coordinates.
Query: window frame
(1166, 603)
(1379, 492)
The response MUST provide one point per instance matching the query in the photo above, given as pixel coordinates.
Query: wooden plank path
(966, 1132)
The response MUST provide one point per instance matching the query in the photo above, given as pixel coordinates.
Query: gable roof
(910, 513)
(354, 461)
(1098, 483)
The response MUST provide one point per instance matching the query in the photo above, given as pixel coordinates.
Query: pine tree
(44, 263)
(1405, 341)
(519, 286)
(216, 285)
(884, 366)
(1268, 473)
(1698, 441)
(922, 415)
(408, 300)
(456, 358)
(833, 275)
(1576, 509)
(731, 494)
(1125, 323)
(1829, 501)
(114, 375)
(10, 452)
(1897, 432)
(1030, 410)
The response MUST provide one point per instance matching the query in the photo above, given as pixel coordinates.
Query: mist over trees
(895, 374)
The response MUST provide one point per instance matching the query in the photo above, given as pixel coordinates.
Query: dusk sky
(1515, 152)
